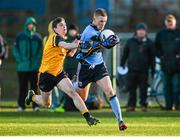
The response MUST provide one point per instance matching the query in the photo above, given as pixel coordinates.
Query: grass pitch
(152, 123)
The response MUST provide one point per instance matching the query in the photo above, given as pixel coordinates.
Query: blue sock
(114, 102)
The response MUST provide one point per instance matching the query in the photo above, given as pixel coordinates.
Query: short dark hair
(56, 21)
(73, 27)
(100, 12)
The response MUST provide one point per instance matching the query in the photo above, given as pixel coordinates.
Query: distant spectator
(3, 55)
(138, 53)
(94, 100)
(70, 66)
(28, 53)
(3, 49)
(167, 45)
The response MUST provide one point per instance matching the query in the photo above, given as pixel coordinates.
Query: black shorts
(48, 81)
(88, 73)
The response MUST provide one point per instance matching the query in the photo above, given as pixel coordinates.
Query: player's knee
(109, 92)
(74, 94)
(83, 98)
(82, 94)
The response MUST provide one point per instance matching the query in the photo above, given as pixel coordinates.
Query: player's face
(141, 33)
(170, 24)
(100, 22)
(61, 28)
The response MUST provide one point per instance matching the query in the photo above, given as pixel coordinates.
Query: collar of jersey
(63, 37)
(94, 26)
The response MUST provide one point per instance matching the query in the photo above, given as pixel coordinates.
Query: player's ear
(54, 29)
(94, 18)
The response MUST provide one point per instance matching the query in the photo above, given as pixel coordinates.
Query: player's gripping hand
(111, 41)
(78, 36)
(85, 45)
(117, 40)
(90, 45)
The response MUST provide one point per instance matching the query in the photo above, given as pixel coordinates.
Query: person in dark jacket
(167, 45)
(138, 53)
(28, 53)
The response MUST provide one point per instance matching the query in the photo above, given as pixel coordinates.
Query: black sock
(112, 97)
(86, 115)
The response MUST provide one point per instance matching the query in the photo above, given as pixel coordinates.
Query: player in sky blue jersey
(91, 66)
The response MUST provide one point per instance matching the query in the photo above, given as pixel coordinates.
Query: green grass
(152, 123)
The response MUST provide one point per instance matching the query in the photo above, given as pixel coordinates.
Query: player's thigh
(83, 92)
(106, 86)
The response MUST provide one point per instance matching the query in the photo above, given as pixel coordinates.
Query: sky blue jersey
(96, 57)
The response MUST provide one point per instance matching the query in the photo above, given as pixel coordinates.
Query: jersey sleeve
(57, 39)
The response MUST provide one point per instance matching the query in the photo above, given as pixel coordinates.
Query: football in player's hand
(108, 38)
(105, 34)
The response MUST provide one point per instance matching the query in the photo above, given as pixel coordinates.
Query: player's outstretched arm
(73, 45)
(71, 52)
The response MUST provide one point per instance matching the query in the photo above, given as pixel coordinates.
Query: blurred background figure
(138, 53)
(70, 65)
(28, 53)
(3, 55)
(167, 45)
(94, 100)
(3, 49)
